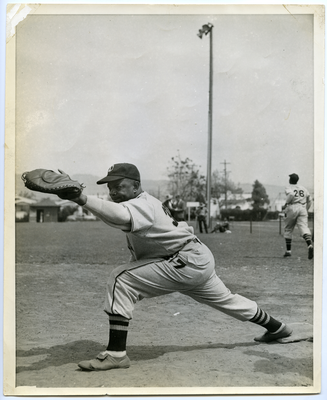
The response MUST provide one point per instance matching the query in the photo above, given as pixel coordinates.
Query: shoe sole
(98, 370)
(91, 368)
(269, 337)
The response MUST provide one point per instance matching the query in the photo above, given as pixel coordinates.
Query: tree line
(186, 180)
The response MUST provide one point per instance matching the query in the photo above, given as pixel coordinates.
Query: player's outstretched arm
(111, 213)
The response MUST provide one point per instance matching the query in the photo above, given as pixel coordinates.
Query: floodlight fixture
(205, 30)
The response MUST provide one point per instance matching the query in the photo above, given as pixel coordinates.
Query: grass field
(61, 272)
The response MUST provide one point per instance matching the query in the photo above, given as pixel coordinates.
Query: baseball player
(298, 202)
(166, 257)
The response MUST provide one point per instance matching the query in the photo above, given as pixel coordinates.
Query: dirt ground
(173, 342)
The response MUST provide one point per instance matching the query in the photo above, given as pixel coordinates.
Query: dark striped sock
(118, 329)
(307, 238)
(264, 319)
(288, 244)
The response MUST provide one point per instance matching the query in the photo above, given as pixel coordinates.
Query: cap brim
(107, 179)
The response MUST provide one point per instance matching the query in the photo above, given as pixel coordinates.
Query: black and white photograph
(163, 199)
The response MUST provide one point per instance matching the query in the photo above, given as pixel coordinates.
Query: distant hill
(88, 180)
(158, 188)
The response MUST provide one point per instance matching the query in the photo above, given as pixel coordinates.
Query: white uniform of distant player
(182, 260)
(298, 202)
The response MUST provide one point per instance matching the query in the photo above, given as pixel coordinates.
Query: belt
(194, 240)
(293, 204)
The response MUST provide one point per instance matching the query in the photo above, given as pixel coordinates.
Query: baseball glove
(48, 181)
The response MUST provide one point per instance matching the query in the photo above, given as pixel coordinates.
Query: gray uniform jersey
(154, 232)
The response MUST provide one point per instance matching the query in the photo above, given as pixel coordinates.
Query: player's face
(121, 190)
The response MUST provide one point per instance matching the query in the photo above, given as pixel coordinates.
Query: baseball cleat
(310, 252)
(270, 337)
(104, 362)
(287, 254)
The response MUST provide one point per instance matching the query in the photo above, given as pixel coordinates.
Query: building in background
(45, 210)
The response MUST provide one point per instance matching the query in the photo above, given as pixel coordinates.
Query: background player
(166, 257)
(298, 202)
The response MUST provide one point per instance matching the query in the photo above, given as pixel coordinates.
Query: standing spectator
(179, 209)
(201, 213)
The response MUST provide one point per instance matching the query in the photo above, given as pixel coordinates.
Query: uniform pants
(190, 272)
(296, 215)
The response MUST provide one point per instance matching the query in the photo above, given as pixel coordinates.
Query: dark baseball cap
(121, 171)
(294, 177)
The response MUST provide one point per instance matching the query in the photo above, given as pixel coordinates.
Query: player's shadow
(74, 352)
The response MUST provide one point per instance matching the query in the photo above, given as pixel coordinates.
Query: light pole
(207, 29)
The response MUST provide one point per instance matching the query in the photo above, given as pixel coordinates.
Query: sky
(94, 90)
